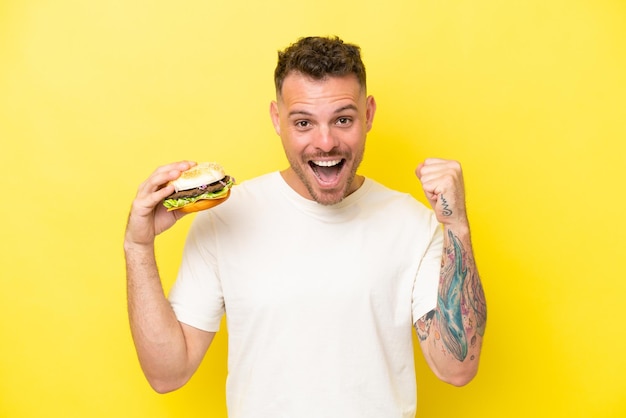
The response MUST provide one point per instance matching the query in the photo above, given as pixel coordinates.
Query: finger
(418, 171)
(170, 172)
(156, 187)
(429, 167)
(434, 165)
(162, 175)
(443, 170)
(433, 161)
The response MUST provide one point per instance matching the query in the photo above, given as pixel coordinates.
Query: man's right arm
(169, 352)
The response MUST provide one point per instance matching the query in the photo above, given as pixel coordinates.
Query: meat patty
(213, 187)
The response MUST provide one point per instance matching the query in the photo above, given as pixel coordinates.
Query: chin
(328, 200)
(328, 197)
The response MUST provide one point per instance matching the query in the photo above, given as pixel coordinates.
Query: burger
(203, 186)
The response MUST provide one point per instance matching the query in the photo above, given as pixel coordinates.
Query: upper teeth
(327, 163)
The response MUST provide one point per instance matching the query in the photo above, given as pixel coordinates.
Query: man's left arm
(451, 335)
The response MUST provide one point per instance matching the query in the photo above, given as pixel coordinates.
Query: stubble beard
(331, 197)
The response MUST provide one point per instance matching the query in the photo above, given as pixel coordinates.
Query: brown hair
(319, 57)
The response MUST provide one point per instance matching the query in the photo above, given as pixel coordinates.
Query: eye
(303, 124)
(343, 121)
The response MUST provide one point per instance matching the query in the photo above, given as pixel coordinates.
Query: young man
(321, 273)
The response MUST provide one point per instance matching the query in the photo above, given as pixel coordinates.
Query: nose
(325, 139)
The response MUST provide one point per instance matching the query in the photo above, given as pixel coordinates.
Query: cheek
(295, 139)
(354, 139)
(292, 145)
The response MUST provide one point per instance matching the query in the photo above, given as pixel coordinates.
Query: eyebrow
(299, 112)
(339, 110)
(346, 107)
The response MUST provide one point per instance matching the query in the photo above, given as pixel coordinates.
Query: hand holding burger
(201, 187)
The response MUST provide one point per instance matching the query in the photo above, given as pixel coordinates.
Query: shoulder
(262, 185)
(250, 198)
(398, 210)
(383, 197)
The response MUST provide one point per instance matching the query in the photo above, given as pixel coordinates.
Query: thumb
(418, 170)
(429, 189)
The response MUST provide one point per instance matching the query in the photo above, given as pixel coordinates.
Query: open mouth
(327, 171)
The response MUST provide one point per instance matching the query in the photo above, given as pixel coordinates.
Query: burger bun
(196, 176)
(202, 204)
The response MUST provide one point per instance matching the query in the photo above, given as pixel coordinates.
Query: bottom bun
(203, 204)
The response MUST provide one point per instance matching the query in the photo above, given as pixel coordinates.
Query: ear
(370, 111)
(274, 116)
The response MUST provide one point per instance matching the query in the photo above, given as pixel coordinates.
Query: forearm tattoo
(461, 312)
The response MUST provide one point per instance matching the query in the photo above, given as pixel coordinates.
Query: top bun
(199, 175)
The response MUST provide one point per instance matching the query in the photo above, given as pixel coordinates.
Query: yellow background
(529, 95)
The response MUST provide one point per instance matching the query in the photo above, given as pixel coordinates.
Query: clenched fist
(442, 181)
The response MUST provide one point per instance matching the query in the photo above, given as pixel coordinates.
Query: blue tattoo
(449, 300)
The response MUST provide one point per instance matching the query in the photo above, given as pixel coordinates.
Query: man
(322, 273)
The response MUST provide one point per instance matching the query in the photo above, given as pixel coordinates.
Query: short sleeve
(196, 296)
(427, 279)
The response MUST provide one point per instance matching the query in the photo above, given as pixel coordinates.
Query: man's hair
(318, 58)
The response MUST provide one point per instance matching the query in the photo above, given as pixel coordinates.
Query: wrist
(460, 228)
(138, 248)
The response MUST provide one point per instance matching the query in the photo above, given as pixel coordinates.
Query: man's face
(323, 125)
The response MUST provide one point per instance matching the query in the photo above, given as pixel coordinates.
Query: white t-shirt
(320, 301)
